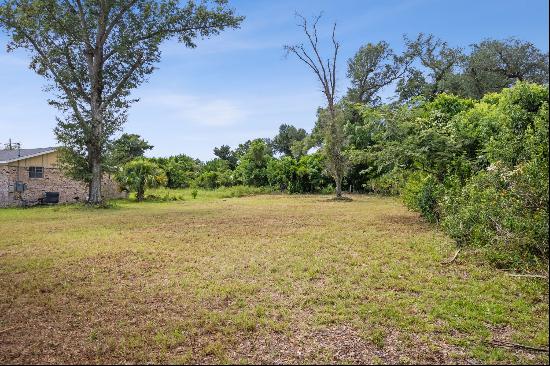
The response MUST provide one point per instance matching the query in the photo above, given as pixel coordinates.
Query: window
(36, 172)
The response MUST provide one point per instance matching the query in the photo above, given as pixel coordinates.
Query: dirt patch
(341, 344)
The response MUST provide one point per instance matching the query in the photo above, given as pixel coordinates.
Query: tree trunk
(95, 146)
(95, 184)
(140, 194)
(94, 151)
(338, 187)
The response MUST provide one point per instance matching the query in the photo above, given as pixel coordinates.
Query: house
(27, 174)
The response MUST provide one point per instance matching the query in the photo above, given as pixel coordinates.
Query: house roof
(8, 156)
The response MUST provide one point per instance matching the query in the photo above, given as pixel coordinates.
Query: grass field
(269, 279)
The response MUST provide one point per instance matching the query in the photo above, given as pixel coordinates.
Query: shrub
(491, 211)
(391, 183)
(422, 193)
(214, 174)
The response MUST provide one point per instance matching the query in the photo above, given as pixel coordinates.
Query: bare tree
(326, 73)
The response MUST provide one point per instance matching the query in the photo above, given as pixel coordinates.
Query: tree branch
(123, 81)
(117, 19)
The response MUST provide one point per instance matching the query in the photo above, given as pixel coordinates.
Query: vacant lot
(254, 279)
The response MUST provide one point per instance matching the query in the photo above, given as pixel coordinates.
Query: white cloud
(205, 111)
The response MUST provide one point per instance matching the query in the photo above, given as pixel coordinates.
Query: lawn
(269, 279)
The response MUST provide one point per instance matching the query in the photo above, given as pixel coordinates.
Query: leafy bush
(181, 170)
(504, 208)
(281, 174)
(307, 175)
(422, 193)
(491, 212)
(214, 174)
(480, 168)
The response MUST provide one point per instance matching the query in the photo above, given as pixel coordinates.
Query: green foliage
(422, 193)
(490, 211)
(480, 168)
(391, 183)
(519, 107)
(507, 204)
(494, 65)
(307, 175)
(312, 174)
(288, 137)
(74, 164)
(224, 152)
(126, 148)
(281, 174)
(490, 66)
(438, 63)
(214, 174)
(334, 144)
(194, 193)
(252, 168)
(181, 170)
(372, 68)
(139, 174)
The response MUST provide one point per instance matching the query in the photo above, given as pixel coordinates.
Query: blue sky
(239, 85)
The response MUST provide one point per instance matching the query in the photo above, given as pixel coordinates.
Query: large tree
(94, 52)
(436, 71)
(372, 68)
(325, 71)
(224, 152)
(287, 137)
(497, 64)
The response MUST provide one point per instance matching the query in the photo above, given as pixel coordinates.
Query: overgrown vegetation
(478, 167)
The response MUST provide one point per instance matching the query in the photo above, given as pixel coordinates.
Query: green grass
(271, 278)
(166, 194)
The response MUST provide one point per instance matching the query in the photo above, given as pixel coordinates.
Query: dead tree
(326, 73)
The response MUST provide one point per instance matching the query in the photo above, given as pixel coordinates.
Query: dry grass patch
(257, 279)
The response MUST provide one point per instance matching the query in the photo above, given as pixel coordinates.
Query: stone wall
(53, 181)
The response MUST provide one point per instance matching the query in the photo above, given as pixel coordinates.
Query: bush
(180, 170)
(422, 193)
(491, 212)
(391, 183)
(214, 174)
(307, 175)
